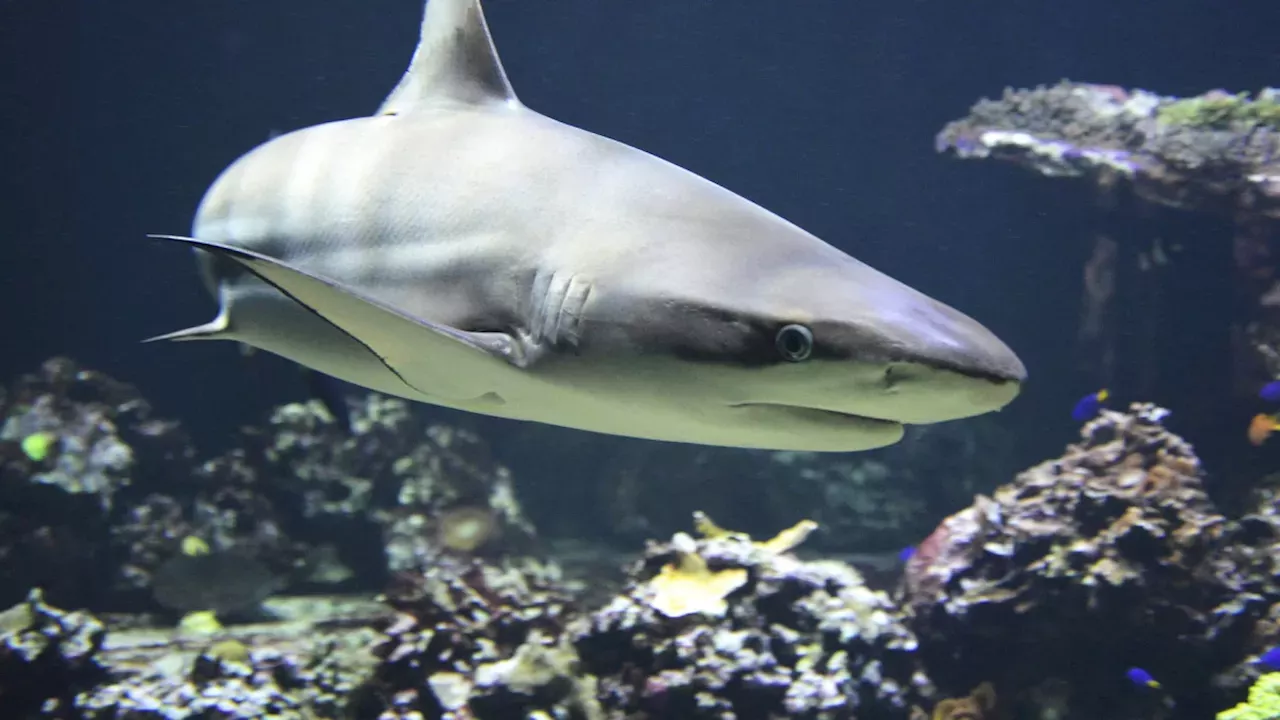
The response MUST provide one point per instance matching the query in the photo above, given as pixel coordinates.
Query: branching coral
(785, 541)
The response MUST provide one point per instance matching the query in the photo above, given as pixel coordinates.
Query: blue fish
(906, 553)
(1090, 405)
(1138, 676)
(1271, 391)
(1270, 659)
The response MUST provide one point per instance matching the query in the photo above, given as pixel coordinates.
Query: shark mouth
(824, 417)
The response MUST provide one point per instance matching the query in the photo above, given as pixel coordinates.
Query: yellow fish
(203, 622)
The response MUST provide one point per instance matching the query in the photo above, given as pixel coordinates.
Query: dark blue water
(116, 116)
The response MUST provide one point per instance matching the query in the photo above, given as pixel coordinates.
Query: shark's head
(810, 348)
(847, 338)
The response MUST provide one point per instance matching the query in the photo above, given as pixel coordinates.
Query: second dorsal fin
(455, 62)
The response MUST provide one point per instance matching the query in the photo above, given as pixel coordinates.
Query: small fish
(906, 553)
(1158, 255)
(37, 446)
(466, 529)
(1271, 391)
(230, 651)
(223, 582)
(201, 622)
(193, 546)
(1261, 428)
(1089, 405)
(1270, 659)
(1138, 676)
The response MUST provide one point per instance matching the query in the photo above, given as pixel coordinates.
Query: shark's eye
(794, 343)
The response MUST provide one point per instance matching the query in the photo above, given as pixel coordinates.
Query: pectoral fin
(434, 359)
(215, 329)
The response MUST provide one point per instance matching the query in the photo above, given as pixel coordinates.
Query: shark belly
(630, 399)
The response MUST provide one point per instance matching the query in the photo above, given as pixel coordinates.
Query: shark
(460, 249)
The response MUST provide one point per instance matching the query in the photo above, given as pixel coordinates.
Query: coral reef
(46, 657)
(1109, 557)
(477, 640)
(59, 507)
(716, 627)
(749, 630)
(227, 505)
(393, 477)
(97, 497)
(1147, 159)
(307, 665)
(1055, 590)
(1250, 564)
(114, 493)
(1216, 150)
(1219, 110)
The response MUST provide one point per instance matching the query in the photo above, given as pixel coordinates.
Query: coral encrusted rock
(1107, 558)
(724, 627)
(47, 655)
(1213, 151)
(76, 450)
(476, 640)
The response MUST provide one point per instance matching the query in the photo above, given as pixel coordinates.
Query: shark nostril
(891, 376)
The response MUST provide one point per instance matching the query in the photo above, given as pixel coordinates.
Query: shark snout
(949, 339)
(952, 367)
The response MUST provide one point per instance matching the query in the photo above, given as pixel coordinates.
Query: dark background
(117, 115)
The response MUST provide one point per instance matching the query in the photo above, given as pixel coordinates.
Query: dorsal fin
(455, 62)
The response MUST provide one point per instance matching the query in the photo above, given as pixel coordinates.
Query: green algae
(1217, 110)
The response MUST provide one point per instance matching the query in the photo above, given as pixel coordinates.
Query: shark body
(461, 249)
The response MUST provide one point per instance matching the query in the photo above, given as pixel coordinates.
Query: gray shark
(461, 249)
